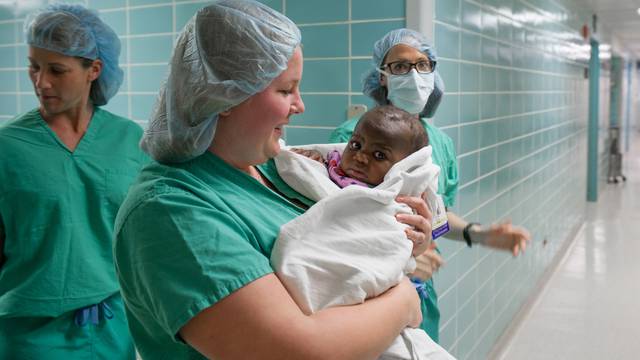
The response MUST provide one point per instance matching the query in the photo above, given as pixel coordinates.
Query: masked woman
(404, 73)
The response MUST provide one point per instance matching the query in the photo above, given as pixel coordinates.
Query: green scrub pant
(430, 312)
(53, 338)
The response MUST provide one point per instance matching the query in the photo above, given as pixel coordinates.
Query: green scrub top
(444, 155)
(57, 210)
(187, 236)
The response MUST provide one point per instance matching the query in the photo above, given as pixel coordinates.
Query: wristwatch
(465, 233)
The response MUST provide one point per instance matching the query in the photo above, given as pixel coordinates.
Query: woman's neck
(256, 174)
(251, 170)
(70, 125)
(227, 146)
(248, 169)
(75, 119)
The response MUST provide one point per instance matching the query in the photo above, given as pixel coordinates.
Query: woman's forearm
(500, 236)
(365, 330)
(456, 225)
(261, 321)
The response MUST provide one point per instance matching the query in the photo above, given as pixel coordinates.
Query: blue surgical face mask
(410, 91)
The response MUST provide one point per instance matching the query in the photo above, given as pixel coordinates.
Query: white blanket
(348, 246)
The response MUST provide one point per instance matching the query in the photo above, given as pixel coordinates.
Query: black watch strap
(465, 233)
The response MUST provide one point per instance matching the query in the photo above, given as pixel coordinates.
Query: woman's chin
(272, 150)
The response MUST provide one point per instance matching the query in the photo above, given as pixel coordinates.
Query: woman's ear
(383, 80)
(95, 69)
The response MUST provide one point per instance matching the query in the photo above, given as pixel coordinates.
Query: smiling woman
(196, 231)
(260, 135)
(59, 298)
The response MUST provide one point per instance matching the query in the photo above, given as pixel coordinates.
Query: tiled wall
(337, 40)
(515, 105)
(337, 37)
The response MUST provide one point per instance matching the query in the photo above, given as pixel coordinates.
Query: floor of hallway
(590, 308)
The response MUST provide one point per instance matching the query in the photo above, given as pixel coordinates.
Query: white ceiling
(620, 18)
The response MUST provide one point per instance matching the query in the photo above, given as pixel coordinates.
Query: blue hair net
(74, 30)
(227, 52)
(371, 80)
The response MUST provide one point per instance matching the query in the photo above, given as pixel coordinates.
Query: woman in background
(66, 166)
(404, 74)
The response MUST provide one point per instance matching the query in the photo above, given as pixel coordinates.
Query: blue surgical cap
(74, 30)
(227, 52)
(371, 80)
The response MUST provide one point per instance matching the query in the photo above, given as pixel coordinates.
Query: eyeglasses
(403, 67)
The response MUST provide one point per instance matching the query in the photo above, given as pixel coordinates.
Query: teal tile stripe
(628, 105)
(594, 100)
(615, 99)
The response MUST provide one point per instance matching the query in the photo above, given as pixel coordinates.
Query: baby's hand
(311, 154)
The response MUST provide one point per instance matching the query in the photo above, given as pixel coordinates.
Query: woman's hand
(427, 263)
(419, 222)
(503, 236)
(415, 315)
(311, 154)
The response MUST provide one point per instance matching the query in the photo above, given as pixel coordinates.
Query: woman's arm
(261, 321)
(503, 236)
(498, 236)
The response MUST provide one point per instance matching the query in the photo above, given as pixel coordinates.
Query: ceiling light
(638, 11)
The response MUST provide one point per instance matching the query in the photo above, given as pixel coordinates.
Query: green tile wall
(521, 140)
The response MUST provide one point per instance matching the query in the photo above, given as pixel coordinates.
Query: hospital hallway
(589, 307)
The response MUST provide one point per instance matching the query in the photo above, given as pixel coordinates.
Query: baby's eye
(379, 155)
(354, 145)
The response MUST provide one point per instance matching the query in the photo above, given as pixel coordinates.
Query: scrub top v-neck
(57, 210)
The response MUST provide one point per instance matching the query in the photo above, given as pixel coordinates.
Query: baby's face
(370, 154)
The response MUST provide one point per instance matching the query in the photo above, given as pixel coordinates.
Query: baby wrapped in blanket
(348, 246)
